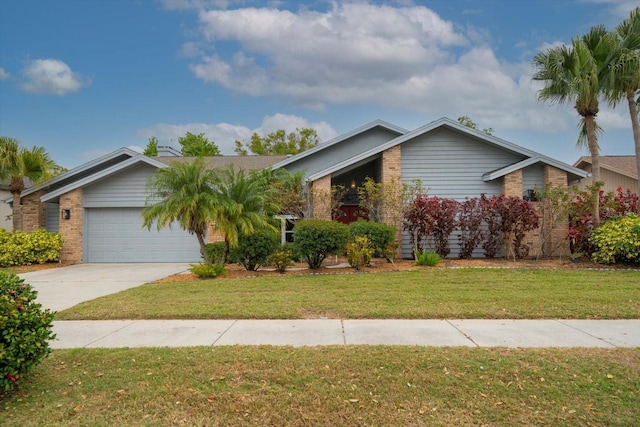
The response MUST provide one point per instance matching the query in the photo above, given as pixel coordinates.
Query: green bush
(316, 239)
(617, 240)
(282, 258)
(380, 235)
(20, 248)
(216, 252)
(254, 250)
(429, 259)
(25, 330)
(207, 271)
(359, 252)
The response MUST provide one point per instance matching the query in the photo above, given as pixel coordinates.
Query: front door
(349, 214)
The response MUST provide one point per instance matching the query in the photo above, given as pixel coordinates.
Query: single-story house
(615, 171)
(97, 206)
(5, 209)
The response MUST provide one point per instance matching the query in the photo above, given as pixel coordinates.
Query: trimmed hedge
(255, 249)
(25, 330)
(617, 240)
(380, 235)
(316, 239)
(20, 248)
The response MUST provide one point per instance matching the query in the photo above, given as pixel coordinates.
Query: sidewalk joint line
(463, 334)
(585, 333)
(224, 332)
(344, 336)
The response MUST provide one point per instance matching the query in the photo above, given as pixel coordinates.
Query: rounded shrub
(25, 329)
(315, 239)
(359, 252)
(380, 235)
(254, 250)
(20, 248)
(617, 240)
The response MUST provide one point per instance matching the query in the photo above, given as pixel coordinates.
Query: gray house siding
(533, 177)
(451, 165)
(346, 149)
(124, 189)
(52, 217)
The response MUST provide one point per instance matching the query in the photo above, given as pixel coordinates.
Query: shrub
(254, 250)
(216, 252)
(429, 259)
(431, 217)
(470, 217)
(359, 252)
(282, 258)
(316, 239)
(207, 271)
(20, 248)
(617, 240)
(25, 330)
(380, 235)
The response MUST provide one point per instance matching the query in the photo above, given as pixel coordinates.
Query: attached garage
(117, 235)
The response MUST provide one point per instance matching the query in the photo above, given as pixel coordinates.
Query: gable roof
(89, 179)
(337, 140)
(624, 165)
(244, 162)
(84, 170)
(532, 156)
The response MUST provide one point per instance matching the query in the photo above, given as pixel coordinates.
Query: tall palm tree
(186, 192)
(624, 79)
(250, 204)
(577, 74)
(18, 164)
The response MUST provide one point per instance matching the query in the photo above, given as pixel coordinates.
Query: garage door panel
(117, 235)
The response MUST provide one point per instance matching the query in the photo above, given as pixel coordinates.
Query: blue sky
(85, 77)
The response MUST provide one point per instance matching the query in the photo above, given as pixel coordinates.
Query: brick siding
(71, 229)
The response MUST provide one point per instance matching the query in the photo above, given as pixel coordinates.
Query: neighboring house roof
(532, 156)
(624, 165)
(242, 162)
(323, 146)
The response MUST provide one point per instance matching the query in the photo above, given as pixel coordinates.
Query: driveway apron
(63, 287)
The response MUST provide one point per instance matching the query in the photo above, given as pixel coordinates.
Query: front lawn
(419, 294)
(329, 386)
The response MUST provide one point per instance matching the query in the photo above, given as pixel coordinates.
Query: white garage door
(117, 235)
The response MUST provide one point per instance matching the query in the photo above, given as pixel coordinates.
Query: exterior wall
(533, 177)
(321, 196)
(612, 180)
(344, 150)
(512, 184)
(5, 212)
(33, 213)
(72, 229)
(554, 234)
(392, 173)
(451, 165)
(52, 220)
(124, 189)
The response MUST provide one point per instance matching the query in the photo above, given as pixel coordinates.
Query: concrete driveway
(64, 287)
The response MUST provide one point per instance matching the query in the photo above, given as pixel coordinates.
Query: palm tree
(625, 74)
(250, 204)
(577, 74)
(17, 164)
(188, 194)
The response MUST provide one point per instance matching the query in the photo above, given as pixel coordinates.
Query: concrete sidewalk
(467, 333)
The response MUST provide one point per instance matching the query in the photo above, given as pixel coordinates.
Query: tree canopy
(152, 147)
(279, 143)
(198, 145)
(466, 120)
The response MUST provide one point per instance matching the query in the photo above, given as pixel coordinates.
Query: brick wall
(512, 184)
(556, 244)
(392, 174)
(72, 229)
(321, 196)
(33, 215)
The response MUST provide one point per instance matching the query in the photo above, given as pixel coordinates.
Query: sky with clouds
(83, 78)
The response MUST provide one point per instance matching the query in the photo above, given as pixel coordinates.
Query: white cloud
(51, 77)
(3, 74)
(225, 134)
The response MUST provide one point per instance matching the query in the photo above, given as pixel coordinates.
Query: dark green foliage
(254, 250)
(617, 240)
(380, 235)
(25, 330)
(316, 239)
(20, 248)
(216, 252)
(359, 252)
(207, 271)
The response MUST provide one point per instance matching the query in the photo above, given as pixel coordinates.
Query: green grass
(420, 294)
(329, 386)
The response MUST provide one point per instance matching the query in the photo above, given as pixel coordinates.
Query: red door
(349, 214)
